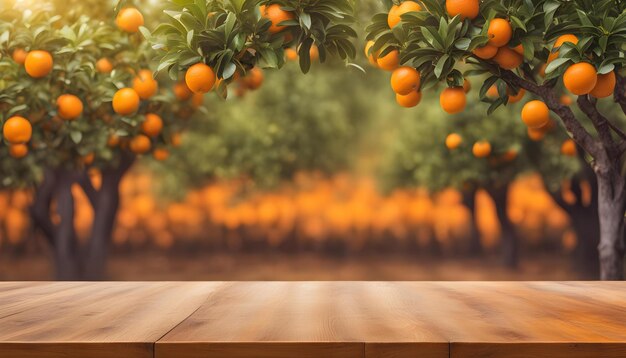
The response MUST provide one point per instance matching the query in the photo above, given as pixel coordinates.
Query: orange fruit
(452, 99)
(467, 85)
(145, 85)
(604, 86)
(565, 38)
(19, 56)
(103, 65)
(371, 57)
(69, 107)
(17, 130)
(393, 18)
(113, 140)
(542, 70)
(404, 80)
(390, 61)
(314, 53)
(481, 149)
(200, 78)
(409, 100)
(160, 154)
(519, 49)
(18, 150)
(535, 134)
(509, 155)
(507, 58)
(516, 97)
(535, 114)
(176, 139)
(182, 92)
(254, 78)
(566, 100)
(569, 148)
(152, 125)
(453, 141)
(140, 144)
(467, 9)
(486, 52)
(88, 158)
(492, 92)
(125, 101)
(38, 63)
(580, 78)
(129, 20)
(291, 54)
(275, 15)
(499, 32)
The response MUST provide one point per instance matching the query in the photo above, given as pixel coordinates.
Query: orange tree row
(543, 47)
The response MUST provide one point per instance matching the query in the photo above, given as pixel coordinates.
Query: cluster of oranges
(313, 210)
(480, 148)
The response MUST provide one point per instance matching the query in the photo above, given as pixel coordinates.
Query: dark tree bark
(469, 201)
(65, 249)
(509, 242)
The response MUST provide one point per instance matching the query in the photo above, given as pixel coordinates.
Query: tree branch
(40, 209)
(600, 123)
(619, 95)
(92, 193)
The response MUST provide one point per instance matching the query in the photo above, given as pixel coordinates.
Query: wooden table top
(313, 319)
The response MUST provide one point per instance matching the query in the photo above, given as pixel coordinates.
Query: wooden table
(313, 319)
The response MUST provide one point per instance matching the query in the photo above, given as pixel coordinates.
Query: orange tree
(544, 47)
(471, 151)
(78, 102)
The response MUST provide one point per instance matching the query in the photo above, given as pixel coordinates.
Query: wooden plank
(538, 350)
(106, 319)
(261, 350)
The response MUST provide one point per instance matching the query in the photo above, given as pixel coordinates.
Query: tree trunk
(469, 201)
(509, 244)
(611, 205)
(67, 267)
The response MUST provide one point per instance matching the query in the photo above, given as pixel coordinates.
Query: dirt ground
(231, 267)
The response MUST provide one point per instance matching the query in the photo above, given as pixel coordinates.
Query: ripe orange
(371, 57)
(393, 18)
(125, 101)
(129, 20)
(467, 9)
(38, 63)
(508, 58)
(140, 144)
(19, 56)
(604, 86)
(152, 125)
(535, 114)
(18, 150)
(103, 65)
(519, 49)
(452, 99)
(160, 154)
(200, 78)
(113, 140)
(481, 149)
(486, 52)
(17, 130)
(176, 139)
(569, 148)
(566, 100)
(542, 70)
(69, 107)
(509, 155)
(291, 54)
(254, 78)
(565, 38)
(88, 159)
(499, 32)
(145, 85)
(314, 53)
(467, 85)
(535, 134)
(453, 141)
(492, 92)
(182, 92)
(404, 80)
(580, 78)
(276, 15)
(515, 97)
(390, 61)
(410, 100)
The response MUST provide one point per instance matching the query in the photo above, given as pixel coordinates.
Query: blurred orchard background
(323, 176)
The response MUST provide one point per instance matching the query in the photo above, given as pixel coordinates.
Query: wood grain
(313, 319)
(93, 319)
